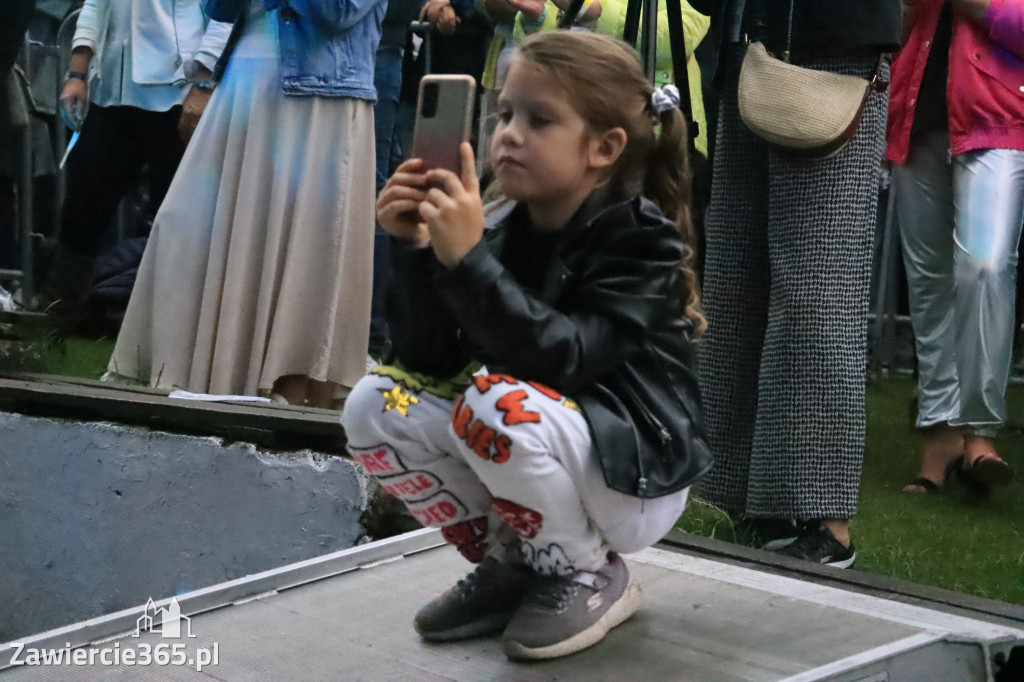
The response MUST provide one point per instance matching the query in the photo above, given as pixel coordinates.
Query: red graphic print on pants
(439, 511)
(512, 405)
(379, 461)
(549, 392)
(468, 538)
(484, 383)
(481, 439)
(526, 523)
(413, 486)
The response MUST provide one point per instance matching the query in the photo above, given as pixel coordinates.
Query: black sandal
(987, 469)
(927, 485)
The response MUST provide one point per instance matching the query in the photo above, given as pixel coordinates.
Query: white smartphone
(444, 118)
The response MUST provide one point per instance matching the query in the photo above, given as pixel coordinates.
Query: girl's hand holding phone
(453, 210)
(398, 204)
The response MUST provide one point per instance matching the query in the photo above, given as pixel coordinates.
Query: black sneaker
(770, 534)
(565, 614)
(480, 604)
(816, 543)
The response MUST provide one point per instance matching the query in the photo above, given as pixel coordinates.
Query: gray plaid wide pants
(786, 289)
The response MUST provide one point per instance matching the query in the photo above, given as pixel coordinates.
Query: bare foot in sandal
(983, 464)
(942, 448)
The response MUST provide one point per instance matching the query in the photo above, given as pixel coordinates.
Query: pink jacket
(985, 90)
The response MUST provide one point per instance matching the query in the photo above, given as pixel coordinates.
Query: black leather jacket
(606, 329)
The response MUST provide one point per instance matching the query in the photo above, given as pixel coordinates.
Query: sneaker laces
(805, 544)
(466, 586)
(809, 542)
(553, 592)
(556, 592)
(483, 571)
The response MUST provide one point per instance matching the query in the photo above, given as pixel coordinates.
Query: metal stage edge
(705, 618)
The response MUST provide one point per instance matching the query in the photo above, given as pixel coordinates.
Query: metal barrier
(26, 273)
(423, 29)
(884, 299)
(34, 50)
(65, 36)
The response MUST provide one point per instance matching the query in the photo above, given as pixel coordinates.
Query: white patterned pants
(505, 470)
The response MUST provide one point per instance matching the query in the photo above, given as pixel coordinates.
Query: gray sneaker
(481, 603)
(563, 615)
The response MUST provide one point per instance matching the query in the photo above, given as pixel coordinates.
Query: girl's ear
(606, 148)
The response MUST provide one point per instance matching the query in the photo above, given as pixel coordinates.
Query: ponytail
(668, 183)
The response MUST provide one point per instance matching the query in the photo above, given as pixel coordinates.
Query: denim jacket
(327, 46)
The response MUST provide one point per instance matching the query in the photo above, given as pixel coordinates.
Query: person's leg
(298, 389)
(735, 299)
(292, 388)
(405, 123)
(388, 81)
(163, 150)
(403, 437)
(923, 190)
(532, 448)
(989, 196)
(398, 150)
(808, 445)
(99, 171)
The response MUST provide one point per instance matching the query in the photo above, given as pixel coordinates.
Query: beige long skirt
(260, 260)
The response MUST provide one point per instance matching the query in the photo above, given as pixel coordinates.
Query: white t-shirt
(145, 50)
(114, 85)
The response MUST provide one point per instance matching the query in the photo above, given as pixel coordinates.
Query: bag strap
(878, 83)
(236, 34)
(681, 74)
(571, 14)
(789, 33)
(677, 43)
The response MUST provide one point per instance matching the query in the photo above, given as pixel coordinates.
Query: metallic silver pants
(960, 222)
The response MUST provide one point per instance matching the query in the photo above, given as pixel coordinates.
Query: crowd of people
(543, 353)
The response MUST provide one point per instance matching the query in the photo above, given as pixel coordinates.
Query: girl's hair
(607, 87)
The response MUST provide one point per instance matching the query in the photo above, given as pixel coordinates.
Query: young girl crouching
(580, 438)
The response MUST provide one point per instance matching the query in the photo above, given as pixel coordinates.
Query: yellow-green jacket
(613, 20)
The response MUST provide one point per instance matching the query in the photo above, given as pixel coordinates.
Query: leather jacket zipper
(652, 420)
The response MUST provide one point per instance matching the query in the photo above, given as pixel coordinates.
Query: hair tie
(664, 98)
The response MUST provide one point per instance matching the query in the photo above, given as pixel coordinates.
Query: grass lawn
(950, 540)
(947, 540)
(85, 358)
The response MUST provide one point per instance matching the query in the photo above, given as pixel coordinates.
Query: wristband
(84, 77)
(533, 23)
(205, 84)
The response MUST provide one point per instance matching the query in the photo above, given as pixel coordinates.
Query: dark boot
(65, 287)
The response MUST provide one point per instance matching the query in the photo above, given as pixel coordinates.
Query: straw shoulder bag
(803, 112)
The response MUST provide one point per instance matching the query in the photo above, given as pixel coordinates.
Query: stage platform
(347, 616)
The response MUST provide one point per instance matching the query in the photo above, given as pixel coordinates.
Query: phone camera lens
(430, 91)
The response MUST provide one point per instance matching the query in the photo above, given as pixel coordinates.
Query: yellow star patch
(571, 404)
(397, 399)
